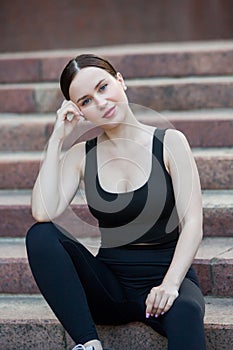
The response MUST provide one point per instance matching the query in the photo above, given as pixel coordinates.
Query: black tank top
(145, 215)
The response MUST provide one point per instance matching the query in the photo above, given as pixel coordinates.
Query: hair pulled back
(76, 64)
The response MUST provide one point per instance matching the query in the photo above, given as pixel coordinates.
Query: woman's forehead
(90, 74)
(86, 80)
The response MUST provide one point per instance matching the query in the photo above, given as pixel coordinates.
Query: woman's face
(99, 96)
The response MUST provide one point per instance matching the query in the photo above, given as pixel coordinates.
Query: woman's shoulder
(176, 147)
(174, 136)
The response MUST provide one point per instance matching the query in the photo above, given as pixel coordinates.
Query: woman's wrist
(172, 279)
(55, 141)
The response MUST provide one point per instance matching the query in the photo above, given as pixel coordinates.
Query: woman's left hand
(160, 299)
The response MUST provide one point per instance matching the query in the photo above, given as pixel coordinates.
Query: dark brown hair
(76, 64)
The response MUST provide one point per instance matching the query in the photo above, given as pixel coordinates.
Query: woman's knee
(40, 233)
(191, 299)
(190, 304)
(184, 323)
(190, 308)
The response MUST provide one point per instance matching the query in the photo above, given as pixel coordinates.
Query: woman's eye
(103, 87)
(86, 101)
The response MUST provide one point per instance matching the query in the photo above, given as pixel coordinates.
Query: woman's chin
(110, 125)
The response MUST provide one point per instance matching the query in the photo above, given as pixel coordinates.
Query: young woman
(142, 185)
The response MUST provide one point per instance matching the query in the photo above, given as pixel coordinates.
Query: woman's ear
(121, 80)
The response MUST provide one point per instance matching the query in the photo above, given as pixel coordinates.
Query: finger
(64, 102)
(70, 116)
(149, 308)
(159, 307)
(157, 302)
(150, 303)
(60, 115)
(69, 106)
(169, 304)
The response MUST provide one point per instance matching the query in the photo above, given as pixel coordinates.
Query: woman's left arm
(186, 184)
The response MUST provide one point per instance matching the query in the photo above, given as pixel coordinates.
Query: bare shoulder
(175, 140)
(176, 147)
(172, 136)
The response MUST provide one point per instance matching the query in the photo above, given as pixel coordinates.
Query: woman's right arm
(58, 177)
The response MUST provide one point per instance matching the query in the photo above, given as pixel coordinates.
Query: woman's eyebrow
(96, 87)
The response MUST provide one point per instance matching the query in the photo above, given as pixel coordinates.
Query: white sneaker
(81, 347)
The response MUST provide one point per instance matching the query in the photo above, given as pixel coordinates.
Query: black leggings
(111, 288)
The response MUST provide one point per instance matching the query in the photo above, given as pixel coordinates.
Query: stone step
(26, 322)
(30, 132)
(15, 213)
(213, 264)
(203, 128)
(18, 170)
(139, 61)
(16, 216)
(156, 93)
(181, 93)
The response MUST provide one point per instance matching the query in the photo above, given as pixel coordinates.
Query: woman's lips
(109, 113)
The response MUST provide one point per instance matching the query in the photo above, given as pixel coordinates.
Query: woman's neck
(130, 128)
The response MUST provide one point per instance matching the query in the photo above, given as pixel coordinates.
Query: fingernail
(162, 313)
(156, 315)
(69, 116)
(147, 315)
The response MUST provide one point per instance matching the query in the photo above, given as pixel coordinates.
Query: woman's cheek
(90, 114)
(121, 97)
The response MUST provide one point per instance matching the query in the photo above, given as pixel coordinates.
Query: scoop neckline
(132, 191)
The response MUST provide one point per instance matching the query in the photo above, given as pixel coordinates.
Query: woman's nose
(101, 101)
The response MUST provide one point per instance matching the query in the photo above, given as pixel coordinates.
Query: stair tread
(180, 80)
(217, 198)
(219, 311)
(211, 248)
(196, 114)
(213, 151)
(36, 155)
(38, 118)
(14, 248)
(23, 197)
(216, 248)
(210, 198)
(152, 81)
(199, 114)
(186, 46)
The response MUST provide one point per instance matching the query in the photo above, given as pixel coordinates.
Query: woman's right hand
(67, 118)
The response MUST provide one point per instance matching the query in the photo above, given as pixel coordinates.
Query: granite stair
(187, 86)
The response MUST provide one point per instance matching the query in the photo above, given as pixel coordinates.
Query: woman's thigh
(88, 279)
